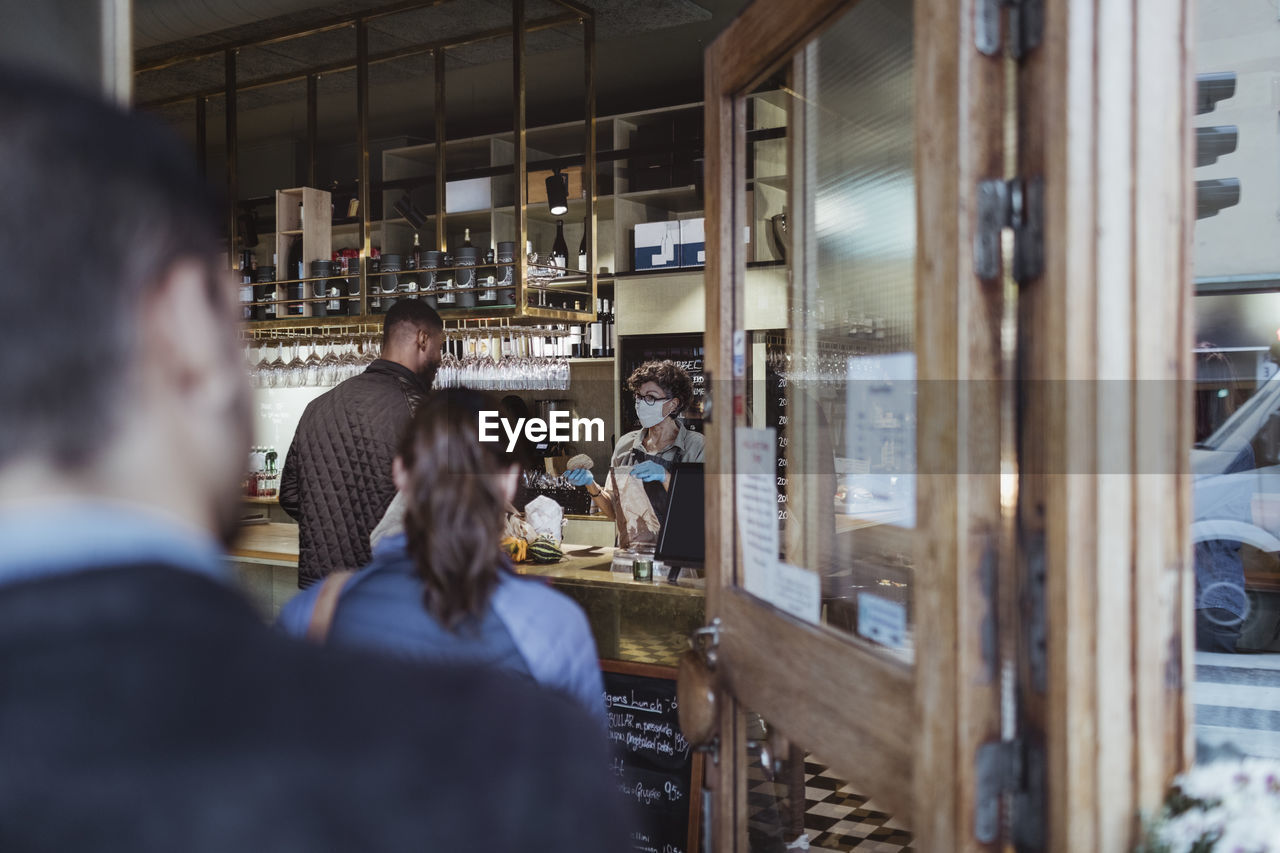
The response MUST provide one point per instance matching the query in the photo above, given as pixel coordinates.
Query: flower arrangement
(1224, 807)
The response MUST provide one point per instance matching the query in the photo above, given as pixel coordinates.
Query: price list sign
(656, 770)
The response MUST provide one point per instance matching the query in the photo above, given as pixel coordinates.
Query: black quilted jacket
(337, 477)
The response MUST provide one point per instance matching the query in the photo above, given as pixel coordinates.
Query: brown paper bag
(636, 520)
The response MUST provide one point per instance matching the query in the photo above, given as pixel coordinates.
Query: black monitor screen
(681, 541)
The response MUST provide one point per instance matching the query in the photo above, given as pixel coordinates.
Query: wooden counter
(640, 621)
(275, 542)
(582, 564)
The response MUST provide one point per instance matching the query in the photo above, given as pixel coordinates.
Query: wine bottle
(559, 249)
(466, 238)
(597, 331)
(582, 248)
(577, 336)
(608, 328)
(575, 341)
(417, 252)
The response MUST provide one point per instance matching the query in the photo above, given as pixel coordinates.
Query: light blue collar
(60, 537)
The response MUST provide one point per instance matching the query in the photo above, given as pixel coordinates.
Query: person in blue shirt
(443, 589)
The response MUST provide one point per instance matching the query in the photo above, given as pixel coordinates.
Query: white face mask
(650, 414)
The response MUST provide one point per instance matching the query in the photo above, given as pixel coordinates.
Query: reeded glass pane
(831, 194)
(1236, 493)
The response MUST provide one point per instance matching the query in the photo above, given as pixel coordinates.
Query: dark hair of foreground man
(143, 704)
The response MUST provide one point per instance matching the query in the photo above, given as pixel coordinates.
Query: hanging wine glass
(311, 365)
(296, 368)
(329, 364)
(277, 372)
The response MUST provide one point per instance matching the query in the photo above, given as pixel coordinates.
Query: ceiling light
(558, 193)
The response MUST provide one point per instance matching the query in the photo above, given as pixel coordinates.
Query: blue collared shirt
(46, 539)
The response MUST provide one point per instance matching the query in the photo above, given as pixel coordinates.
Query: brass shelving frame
(523, 311)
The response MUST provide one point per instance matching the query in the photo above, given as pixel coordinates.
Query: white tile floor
(1237, 703)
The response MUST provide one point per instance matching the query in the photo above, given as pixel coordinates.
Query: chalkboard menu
(657, 771)
(685, 350)
(776, 385)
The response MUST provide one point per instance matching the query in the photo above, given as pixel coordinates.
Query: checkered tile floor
(662, 649)
(835, 817)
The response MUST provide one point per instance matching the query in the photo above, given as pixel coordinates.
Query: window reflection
(1236, 396)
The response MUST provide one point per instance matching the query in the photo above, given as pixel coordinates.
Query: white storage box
(462, 196)
(693, 242)
(657, 245)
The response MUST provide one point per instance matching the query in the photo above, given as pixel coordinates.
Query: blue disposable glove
(649, 472)
(579, 477)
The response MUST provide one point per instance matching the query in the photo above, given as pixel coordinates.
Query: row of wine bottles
(560, 249)
(582, 340)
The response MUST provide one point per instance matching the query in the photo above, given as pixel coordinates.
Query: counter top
(591, 567)
(275, 541)
(583, 565)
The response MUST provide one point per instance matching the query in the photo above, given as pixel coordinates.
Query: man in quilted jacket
(337, 477)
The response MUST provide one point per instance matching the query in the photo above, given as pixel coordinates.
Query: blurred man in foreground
(143, 705)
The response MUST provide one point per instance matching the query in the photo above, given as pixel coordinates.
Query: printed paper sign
(756, 501)
(797, 591)
(882, 620)
(880, 438)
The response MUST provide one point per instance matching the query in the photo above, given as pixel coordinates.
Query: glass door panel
(830, 193)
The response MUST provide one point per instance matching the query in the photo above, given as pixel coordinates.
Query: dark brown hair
(456, 504)
(129, 190)
(670, 376)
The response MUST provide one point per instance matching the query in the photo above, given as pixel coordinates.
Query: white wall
(276, 412)
(1243, 37)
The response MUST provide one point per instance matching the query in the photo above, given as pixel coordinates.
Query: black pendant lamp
(558, 193)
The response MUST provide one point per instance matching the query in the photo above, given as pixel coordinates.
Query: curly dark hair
(671, 377)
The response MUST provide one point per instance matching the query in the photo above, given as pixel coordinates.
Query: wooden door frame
(1109, 101)
(1105, 120)
(915, 759)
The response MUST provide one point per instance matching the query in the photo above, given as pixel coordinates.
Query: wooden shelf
(673, 198)
(489, 156)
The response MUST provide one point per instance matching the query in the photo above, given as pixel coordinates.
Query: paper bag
(637, 522)
(546, 517)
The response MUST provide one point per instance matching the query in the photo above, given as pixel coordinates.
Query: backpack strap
(326, 604)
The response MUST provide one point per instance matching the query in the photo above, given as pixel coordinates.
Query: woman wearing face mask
(662, 391)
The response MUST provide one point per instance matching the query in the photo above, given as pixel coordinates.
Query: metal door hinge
(1012, 770)
(706, 643)
(1026, 26)
(1017, 204)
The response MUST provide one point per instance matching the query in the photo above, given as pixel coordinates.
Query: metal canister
(353, 286)
(265, 291)
(506, 275)
(465, 276)
(321, 270)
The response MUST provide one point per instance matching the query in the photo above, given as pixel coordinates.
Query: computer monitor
(681, 542)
